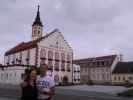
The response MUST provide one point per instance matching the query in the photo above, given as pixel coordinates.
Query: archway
(65, 80)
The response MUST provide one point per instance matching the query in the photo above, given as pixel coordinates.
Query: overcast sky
(92, 27)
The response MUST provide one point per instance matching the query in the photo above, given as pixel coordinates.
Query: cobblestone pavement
(13, 93)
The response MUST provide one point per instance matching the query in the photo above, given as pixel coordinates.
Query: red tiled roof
(26, 45)
(22, 46)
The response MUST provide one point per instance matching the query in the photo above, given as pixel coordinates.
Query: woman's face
(33, 75)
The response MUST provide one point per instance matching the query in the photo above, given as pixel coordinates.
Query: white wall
(32, 56)
(15, 56)
(53, 39)
(63, 47)
(11, 75)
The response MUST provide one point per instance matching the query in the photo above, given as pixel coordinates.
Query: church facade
(49, 48)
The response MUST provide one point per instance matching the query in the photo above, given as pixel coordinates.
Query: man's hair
(44, 65)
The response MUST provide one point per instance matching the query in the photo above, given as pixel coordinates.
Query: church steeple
(37, 19)
(37, 26)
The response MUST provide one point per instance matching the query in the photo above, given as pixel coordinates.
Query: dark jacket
(29, 92)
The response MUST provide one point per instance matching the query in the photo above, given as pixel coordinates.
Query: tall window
(56, 56)
(63, 66)
(39, 32)
(102, 63)
(50, 65)
(57, 61)
(123, 78)
(13, 59)
(98, 63)
(68, 57)
(57, 66)
(50, 55)
(7, 76)
(43, 53)
(114, 77)
(103, 76)
(119, 78)
(68, 67)
(43, 56)
(63, 62)
(20, 58)
(28, 57)
(8, 59)
(62, 56)
(22, 76)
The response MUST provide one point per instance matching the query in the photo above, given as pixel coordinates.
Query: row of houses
(97, 70)
(105, 70)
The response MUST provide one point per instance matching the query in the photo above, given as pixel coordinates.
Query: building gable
(56, 41)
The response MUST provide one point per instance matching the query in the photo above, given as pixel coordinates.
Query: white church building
(49, 48)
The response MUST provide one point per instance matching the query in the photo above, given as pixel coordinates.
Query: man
(45, 84)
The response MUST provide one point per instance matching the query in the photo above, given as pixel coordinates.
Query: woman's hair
(27, 74)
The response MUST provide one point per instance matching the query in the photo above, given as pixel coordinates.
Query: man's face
(43, 69)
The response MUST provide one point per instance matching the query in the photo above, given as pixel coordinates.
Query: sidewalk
(4, 98)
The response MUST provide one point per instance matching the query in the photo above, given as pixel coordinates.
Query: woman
(29, 89)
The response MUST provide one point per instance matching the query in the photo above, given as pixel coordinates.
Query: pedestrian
(28, 86)
(45, 84)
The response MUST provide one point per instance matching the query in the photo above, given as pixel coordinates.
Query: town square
(66, 49)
